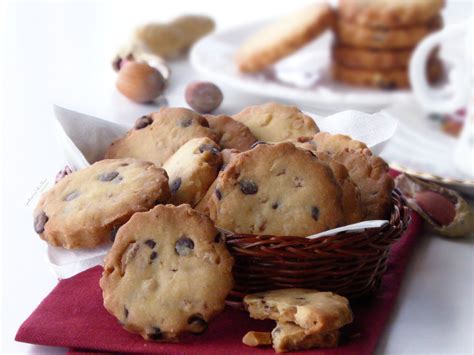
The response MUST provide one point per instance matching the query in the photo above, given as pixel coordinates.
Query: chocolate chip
(203, 122)
(71, 196)
(175, 185)
(153, 256)
(257, 143)
(218, 194)
(108, 176)
(218, 238)
(113, 233)
(184, 246)
(40, 221)
(143, 121)
(248, 187)
(208, 148)
(156, 334)
(174, 270)
(315, 212)
(186, 122)
(151, 243)
(197, 324)
(275, 205)
(125, 311)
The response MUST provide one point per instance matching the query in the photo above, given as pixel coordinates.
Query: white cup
(456, 94)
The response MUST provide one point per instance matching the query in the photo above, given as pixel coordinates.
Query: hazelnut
(140, 82)
(203, 97)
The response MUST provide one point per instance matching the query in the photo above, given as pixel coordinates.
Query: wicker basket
(350, 264)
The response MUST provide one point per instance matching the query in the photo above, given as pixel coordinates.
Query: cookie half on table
(311, 310)
(156, 137)
(290, 337)
(85, 208)
(167, 273)
(192, 169)
(273, 122)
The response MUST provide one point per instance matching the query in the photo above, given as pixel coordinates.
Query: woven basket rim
(396, 217)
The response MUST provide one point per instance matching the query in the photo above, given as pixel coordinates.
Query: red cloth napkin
(73, 316)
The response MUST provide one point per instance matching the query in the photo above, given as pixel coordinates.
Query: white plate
(420, 148)
(302, 78)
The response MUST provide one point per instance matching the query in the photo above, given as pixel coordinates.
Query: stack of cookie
(375, 39)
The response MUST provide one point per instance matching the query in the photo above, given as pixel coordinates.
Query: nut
(437, 206)
(257, 338)
(203, 97)
(140, 82)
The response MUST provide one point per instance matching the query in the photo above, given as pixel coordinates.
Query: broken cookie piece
(289, 337)
(312, 310)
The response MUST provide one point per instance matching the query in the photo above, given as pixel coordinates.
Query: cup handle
(452, 96)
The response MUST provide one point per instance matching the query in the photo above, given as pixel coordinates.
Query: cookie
(272, 122)
(290, 337)
(283, 37)
(362, 58)
(311, 310)
(257, 338)
(232, 134)
(202, 206)
(276, 190)
(85, 208)
(192, 169)
(382, 38)
(325, 142)
(384, 79)
(168, 272)
(389, 13)
(158, 136)
(351, 201)
(369, 173)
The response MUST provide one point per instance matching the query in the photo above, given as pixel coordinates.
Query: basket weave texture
(350, 264)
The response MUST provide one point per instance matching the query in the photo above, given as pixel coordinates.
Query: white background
(59, 52)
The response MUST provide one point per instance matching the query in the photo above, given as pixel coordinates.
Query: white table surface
(59, 52)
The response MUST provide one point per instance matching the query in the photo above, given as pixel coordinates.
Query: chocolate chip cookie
(311, 310)
(277, 190)
(85, 208)
(168, 272)
(369, 173)
(232, 134)
(157, 136)
(192, 169)
(274, 122)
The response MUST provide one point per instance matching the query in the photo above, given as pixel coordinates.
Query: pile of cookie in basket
(372, 45)
(181, 193)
